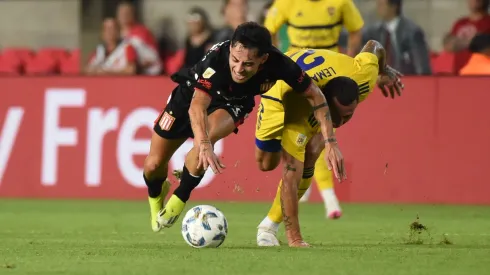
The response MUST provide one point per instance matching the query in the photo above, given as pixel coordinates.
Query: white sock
(330, 199)
(269, 224)
(307, 194)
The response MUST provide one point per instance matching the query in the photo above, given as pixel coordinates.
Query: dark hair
(479, 43)
(253, 36)
(343, 88)
(398, 4)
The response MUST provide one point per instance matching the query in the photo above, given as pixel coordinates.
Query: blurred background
(70, 36)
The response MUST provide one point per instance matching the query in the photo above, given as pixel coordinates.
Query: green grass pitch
(110, 237)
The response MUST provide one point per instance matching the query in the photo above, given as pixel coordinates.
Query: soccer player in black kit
(211, 100)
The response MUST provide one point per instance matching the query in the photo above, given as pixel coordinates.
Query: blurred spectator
(443, 63)
(200, 36)
(113, 56)
(479, 63)
(478, 21)
(140, 38)
(235, 13)
(283, 42)
(404, 41)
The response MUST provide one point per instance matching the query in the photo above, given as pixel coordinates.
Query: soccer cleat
(156, 205)
(267, 238)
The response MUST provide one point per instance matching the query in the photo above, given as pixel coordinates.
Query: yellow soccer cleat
(156, 205)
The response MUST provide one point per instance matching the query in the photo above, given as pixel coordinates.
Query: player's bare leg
(267, 161)
(155, 174)
(325, 181)
(221, 124)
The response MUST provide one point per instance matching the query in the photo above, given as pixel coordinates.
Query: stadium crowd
(128, 47)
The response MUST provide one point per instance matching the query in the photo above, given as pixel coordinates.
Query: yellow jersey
(314, 23)
(321, 66)
(287, 116)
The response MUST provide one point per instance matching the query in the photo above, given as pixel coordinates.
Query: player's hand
(335, 160)
(390, 81)
(207, 158)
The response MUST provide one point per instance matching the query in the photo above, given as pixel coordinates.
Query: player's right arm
(388, 77)
(205, 75)
(276, 16)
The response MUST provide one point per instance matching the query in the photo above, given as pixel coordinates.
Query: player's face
(341, 114)
(244, 62)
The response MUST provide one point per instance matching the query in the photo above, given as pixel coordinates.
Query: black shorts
(174, 121)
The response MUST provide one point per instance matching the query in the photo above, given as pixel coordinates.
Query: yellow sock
(323, 176)
(173, 209)
(275, 213)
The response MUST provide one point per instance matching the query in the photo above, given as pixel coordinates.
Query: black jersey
(213, 75)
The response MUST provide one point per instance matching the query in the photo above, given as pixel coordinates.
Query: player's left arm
(389, 78)
(295, 77)
(353, 22)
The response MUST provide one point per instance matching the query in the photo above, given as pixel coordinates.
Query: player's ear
(264, 58)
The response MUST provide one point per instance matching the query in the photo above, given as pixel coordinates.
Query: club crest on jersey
(208, 73)
(331, 11)
(301, 140)
(266, 86)
(166, 121)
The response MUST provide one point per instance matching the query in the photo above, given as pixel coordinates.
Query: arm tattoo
(319, 106)
(328, 117)
(290, 167)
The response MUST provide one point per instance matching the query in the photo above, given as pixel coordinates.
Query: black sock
(187, 184)
(308, 172)
(154, 186)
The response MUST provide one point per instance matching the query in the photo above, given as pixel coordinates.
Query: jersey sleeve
(367, 75)
(351, 16)
(292, 74)
(277, 15)
(203, 74)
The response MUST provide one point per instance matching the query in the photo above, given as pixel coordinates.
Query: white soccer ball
(204, 226)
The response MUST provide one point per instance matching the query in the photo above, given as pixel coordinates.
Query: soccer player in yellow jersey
(316, 24)
(287, 130)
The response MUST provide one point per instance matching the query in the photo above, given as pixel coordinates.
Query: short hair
(253, 36)
(398, 4)
(343, 88)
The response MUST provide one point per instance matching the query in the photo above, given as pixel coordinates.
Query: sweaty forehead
(242, 53)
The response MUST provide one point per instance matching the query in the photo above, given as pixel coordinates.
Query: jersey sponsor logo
(205, 83)
(301, 140)
(166, 121)
(208, 73)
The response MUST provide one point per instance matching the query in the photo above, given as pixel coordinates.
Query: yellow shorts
(270, 124)
(271, 135)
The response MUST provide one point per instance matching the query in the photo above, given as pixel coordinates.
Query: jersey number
(317, 61)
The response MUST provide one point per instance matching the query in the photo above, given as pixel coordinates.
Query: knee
(153, 164)
(266, 161)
